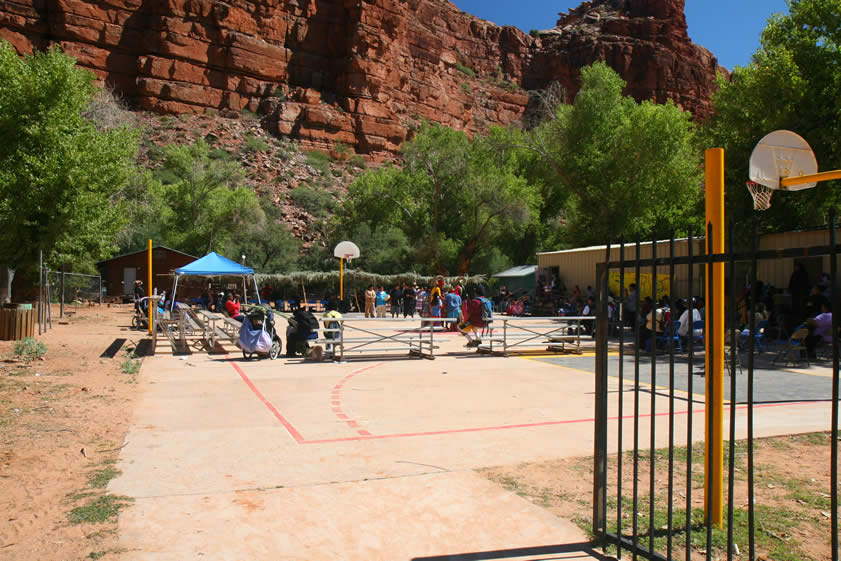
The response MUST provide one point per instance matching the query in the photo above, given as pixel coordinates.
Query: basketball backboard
(346, 250)
(782, 154)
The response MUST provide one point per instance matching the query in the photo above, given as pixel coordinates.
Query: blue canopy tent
(214, 265)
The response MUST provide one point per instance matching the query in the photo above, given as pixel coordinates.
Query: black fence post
(600, 436)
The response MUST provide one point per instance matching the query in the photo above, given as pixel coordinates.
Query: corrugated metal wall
(578, 266)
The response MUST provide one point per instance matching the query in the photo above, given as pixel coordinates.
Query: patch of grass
(814, 438)
(465, 87)
(130, 366)
(357, 161)
(104, 508)
(99, 479)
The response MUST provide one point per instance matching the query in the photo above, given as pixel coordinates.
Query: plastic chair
(794, 350)
(698, 325)
(662, 339)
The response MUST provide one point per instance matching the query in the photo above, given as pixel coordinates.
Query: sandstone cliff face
(361, 72)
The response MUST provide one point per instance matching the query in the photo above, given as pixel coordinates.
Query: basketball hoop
(761, 195)
(348, 257)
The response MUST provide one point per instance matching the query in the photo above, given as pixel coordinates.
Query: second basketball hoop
(779, 155)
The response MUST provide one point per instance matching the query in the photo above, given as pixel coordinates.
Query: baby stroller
(257, 335)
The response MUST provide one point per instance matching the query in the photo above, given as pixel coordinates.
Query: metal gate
(647, 516)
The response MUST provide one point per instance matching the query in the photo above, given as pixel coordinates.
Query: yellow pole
(714, 473)
(341, 278)
(149, 284)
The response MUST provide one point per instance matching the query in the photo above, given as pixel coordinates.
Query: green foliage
(319, 160)
(357, 161)
(102, 509)
(465, 87)
(318, 202)
(29, 349)
(630, 168)
(193, 202)
(254, 144)
(534, 33)
(793, 82)
(60, 172)
(454, 200)
(466, 70)
(268, 246)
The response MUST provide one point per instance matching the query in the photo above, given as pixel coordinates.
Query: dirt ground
(62, 423)
(792, 485)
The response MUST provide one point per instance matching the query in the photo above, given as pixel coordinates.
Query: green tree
(623, 168)
(268, 246)
(793, 82)
(200, 203)
(60, 174)
(454, 198)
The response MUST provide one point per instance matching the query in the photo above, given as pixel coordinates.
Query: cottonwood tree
(453, 198)
(792, 82)
(59, 173)
(621, 168)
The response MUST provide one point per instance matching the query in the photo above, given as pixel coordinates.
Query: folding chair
(794, 350)
(662, 339)
(697, 339)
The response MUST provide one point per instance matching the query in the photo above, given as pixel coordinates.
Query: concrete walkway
(232, 459)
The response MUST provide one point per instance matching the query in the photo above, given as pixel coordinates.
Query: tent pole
(256, 289)
(172, 298)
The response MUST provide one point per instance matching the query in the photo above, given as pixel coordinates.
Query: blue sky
(728, 28)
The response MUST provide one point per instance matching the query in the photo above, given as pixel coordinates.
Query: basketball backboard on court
(782, 154)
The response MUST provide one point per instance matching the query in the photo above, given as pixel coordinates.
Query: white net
(761, 195)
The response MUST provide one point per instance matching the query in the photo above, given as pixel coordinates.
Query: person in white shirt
(685, 322)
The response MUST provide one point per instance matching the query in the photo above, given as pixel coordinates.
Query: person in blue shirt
(380, 302)
(452, 306)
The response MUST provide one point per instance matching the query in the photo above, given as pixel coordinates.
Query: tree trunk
(465, 257)
(6, 276)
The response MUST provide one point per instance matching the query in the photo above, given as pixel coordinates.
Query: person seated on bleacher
(820, 330)
(302, 327)
(233, 307)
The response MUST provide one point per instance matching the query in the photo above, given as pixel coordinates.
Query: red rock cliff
(362, 72)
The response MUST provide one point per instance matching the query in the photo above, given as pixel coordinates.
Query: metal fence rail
(644, 518)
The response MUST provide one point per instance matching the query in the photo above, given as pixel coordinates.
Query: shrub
(253, 145)
(319, 160)
(534, 33)
(30, 349)
(465, 70)
(317, 202)
(357, 161)
(465, 87)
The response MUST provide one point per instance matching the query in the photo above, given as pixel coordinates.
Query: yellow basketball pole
(149, 285)
(341, 278)
(714, 427)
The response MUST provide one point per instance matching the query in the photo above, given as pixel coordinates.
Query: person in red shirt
(473, 321)
(232, 306)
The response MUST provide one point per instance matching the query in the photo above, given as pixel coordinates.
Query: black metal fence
(658, 508)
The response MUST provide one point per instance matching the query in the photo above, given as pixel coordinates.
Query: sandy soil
(62, 422)
(792, 484)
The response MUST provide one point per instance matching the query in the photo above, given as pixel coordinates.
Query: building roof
(519, 271)
(144, 251)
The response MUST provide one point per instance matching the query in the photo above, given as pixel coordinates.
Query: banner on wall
(645, 285)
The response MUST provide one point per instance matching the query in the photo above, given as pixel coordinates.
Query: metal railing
(643, 519)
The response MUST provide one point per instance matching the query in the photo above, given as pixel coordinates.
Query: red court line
(365, 435)
(519, 426)
(336, 400)
(286, 424)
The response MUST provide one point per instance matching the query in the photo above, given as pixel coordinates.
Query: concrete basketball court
(368, 459)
